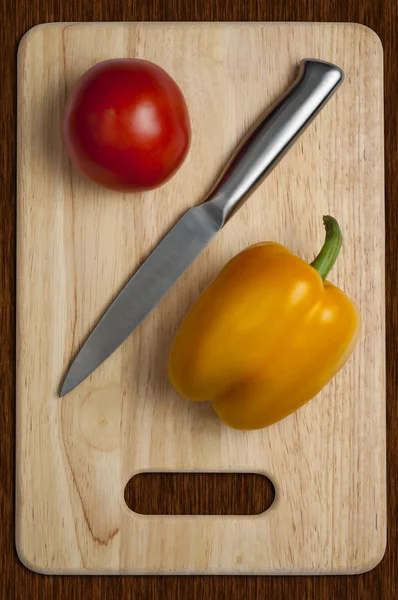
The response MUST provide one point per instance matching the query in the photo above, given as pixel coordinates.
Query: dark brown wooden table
(16, 582)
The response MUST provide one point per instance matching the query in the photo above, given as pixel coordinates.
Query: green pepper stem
(326, 258)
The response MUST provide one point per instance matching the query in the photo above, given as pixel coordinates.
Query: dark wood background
(16, 581)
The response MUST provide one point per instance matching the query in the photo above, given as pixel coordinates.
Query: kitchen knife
(254, 159)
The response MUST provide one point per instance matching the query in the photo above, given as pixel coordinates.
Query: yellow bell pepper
(267, 334)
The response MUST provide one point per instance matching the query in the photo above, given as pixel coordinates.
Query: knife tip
(66, 387)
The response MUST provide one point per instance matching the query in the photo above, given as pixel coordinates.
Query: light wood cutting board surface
(78, 244)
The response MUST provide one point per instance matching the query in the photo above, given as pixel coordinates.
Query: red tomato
(126, 125)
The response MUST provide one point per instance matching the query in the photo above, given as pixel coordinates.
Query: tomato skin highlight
(126, 125)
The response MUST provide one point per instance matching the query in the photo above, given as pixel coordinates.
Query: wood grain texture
(15, 579)
(77, 244)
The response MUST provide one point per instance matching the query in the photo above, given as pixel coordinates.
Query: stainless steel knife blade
(254, 159)
(189, 236)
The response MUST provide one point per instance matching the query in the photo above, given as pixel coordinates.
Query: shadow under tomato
(46, 135)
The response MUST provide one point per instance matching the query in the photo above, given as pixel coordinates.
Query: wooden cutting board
(77, 246)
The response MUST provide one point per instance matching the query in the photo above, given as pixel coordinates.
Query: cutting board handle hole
(199, 493)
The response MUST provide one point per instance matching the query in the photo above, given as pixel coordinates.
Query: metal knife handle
(268, 141)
